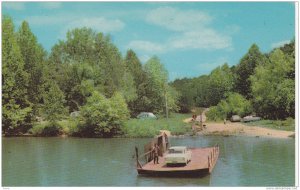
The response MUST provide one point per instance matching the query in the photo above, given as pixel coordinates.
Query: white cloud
(205, 39)
(177, 20)
(18, 6)
(51, 5)
(100, 24)
(70, 21)
(146, 46)
(279, 44)
(192, 30)
(49, 20)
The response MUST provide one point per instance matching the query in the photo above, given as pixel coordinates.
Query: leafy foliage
(272, 88)
(45, 129)
(16, 115)
(138, 93)
(246, 68)
(150, 128)
(220, 82)
(205, 91)
(186, 95)
(87, 57)
(54, 103)
(87, 72)
(234, 104)
(102, 116)
(34, 57)
(162, 97)
(265, 81)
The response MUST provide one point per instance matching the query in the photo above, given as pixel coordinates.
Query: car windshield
(172, 151)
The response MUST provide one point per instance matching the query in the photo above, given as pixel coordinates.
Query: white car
(178, 155)
(146, 115)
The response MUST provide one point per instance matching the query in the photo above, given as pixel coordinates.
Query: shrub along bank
(150, 128)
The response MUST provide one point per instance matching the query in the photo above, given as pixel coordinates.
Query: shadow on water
(168, 175)
(143, 180)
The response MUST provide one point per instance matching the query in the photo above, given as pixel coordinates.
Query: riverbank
(176, 125)
(150, 127)
(273, 128)
(231, 129)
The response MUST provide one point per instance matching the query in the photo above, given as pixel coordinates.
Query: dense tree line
(263, 84)
(85, 73)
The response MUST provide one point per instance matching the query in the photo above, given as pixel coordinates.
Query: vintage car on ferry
(178, 155)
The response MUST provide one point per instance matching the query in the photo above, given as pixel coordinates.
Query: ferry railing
(211, 158)
(145, 158)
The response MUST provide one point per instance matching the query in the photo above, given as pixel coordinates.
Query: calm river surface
(243, 161)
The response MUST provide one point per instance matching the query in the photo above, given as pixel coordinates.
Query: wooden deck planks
(199, 161)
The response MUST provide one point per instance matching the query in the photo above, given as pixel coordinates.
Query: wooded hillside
(87, 74)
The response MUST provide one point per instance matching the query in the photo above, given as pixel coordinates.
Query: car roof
(178, 147)
(147, 113)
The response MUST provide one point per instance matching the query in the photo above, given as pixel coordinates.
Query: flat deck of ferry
(200, 160)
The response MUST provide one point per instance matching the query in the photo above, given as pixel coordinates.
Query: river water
(243, 161)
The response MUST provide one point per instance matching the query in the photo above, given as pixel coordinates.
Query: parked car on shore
(235, 118)
(178, 155)
(250, 118)
(146, 115)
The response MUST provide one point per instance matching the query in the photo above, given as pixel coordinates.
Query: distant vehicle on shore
(235, 118)
(146, 115)
(250, 118)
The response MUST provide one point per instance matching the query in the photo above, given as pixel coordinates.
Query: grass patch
(150, 128)
(132, 127)
(287, 125)
(69, 126)
(45, 129)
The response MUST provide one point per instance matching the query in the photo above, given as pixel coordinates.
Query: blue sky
(190, 38)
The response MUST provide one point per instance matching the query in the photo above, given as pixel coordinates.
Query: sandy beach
(237, 128)
(241, 129)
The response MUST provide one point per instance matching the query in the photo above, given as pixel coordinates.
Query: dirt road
(214, 128)
(241, 129)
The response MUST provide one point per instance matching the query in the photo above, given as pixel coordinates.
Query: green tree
(103, 117)
(234, 104)
(128, 88)
(289, 48)
(272, 88)
(119, 113)
(172, 99)
(246, 68)
(54, 101)
(220, 83)
(186, 92)
(81, 83)
(88, 57)
(134, 67)
(202, 92)
(157, 88)
(34, 57)
(16, 115)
